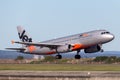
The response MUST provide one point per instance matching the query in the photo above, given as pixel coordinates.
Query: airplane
(90, 42)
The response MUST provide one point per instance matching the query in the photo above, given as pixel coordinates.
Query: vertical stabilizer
(23, 35)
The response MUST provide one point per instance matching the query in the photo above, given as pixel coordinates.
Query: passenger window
(83, 35)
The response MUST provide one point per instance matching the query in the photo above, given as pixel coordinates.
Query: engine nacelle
(64, 48)
(92, 49)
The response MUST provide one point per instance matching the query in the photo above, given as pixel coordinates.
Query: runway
(59, 75)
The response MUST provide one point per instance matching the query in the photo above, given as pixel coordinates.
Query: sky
(48, 19)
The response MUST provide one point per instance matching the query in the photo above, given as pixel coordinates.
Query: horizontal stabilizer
(18, 49)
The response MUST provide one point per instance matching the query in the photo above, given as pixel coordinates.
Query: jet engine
(93, 49)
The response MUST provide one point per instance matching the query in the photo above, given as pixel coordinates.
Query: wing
(50, 45)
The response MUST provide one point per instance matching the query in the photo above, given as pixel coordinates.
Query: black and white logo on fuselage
(24, 37)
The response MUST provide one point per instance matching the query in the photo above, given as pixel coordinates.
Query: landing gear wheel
(77, 56)
(58, 57)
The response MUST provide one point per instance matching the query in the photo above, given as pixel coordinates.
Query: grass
(61, 67)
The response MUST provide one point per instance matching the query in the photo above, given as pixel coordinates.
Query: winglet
(12, 41)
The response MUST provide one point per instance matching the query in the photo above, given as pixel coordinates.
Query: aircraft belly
(44, 51)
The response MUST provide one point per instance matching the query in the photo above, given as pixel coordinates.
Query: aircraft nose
(109, 37)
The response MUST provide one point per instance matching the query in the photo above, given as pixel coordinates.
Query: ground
(61, 67)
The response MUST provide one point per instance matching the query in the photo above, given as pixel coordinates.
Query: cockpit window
(105, 33)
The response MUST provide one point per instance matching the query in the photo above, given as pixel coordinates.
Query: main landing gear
(58, 56)
(77, 56)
